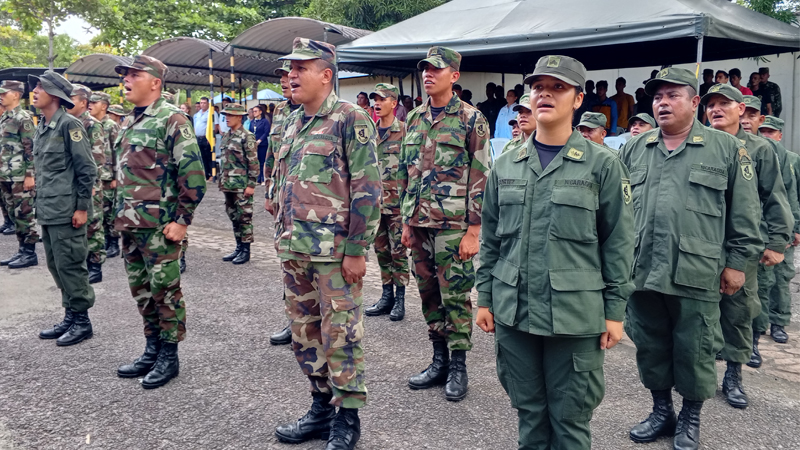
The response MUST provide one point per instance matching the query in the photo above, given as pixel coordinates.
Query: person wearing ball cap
(525, 123)
(592, 127)
(640, 123)
(550, 351)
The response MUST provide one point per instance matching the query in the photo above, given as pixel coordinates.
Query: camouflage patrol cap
(117, 110)
(644, 117)
(99, 96)
(441, 57)
(307, 49)
(773, 123)
(79, 90)
(524, 102)
(385, 90)
(725, 90)
(286, 66)
(56, 85)
(12, 85)
(146, 64)
(234, 109)
(566, 69)
(168, 96)
(751, 101)
(593, 120)
(674, 75)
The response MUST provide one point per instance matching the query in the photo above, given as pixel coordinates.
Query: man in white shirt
(502, 128)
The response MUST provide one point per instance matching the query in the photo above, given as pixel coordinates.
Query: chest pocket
(638, 177)
(706, 190)
(574, 214)
(53, 157)
(142, 152)
(511, 200)
(390, 161)
(316, 164)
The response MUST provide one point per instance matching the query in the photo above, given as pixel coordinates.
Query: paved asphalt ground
(234, 387)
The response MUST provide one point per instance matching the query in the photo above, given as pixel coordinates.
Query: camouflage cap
(54, 84)
(566, 69)
(168, 96)
(385, 90)
(644, 117)
(235, 109)
(593, 120)
(725, 90)
(286, 67)
(12, 85)
(751, 101)
(146, 64)
(674, 75)
(117, 110)
(441, 57)
(307, 49)
(79, 90)
(773, 123)
(524, 102)
(100, 96)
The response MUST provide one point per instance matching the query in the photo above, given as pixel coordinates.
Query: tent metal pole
(699, 55)
(400, 85)
(211, 74)
(233, 72)
(503, 79)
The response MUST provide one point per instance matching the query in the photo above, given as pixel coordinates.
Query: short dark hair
(457, 87)
(708, 72)
(735, 73)
(763, 70)
(322, 64)
(203, 98)
(490, 85)
(196, 103)
(363, 93)
(466, 95)
(601, 83)
(622, 80)
(722, 72)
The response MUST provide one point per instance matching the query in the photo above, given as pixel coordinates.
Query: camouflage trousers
(3, 208)
(185, 243)
(392, 254)
(95, 232)
(780, 298)
(327, 327)
(109, 209)
(20, 208)
(240, 210)
(444, 284)
(151, 261)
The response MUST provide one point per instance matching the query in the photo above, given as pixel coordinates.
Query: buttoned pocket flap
(506, 272)
(511, 192)
(700, 247)
(638, 175)
(581, 198)
(413, 139)
(587, 361)
(569, 280)
(710, 179)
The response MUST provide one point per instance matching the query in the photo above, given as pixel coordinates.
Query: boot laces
(339, 427)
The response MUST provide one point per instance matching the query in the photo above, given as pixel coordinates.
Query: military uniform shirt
(239, 166)
(389, 157)
(97, 141)
(16, 145)
(275, 134)
(108, 172)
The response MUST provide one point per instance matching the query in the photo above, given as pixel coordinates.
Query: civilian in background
(708, 81)
(467, 97)
(458, 90)
(250, 118)
(773, 90)
(186, 110)
(736, 81)
(519, 89)
(625, 103)
(607, 107)
(417, 101)
(502, 129)
(197, 107)
(200, 121)
(489, 106)
(408, 102)
(362, 100)
(721, 77)
(260, 127)
(763, 94)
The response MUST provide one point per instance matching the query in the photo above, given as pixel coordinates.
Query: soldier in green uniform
(593, 127)
(17, 174)
(98, 140)
(526, 122)
(555, 299)
(392, 254)
(640, 123)
(65, 176)
(724, 105)
(444, 163)
(238, 175)
(161, 182)
(694, 195)
(328, 189)
(98, 106)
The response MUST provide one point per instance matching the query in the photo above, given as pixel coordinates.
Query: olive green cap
(144, 63)
(99, 96)
(81, 91)
(56, 85)
(644, 117)
(566, 69)
(593, 120)
(674, 75)
(117, 109)
(751, 101)
(773, 122)
(235, 109)
(12, 85)
(441, 57)
(725, 90)
(524, 102)
(307, 49)
(385, 90)
(285, 67)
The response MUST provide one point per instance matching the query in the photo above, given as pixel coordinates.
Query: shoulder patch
(697, 139)
(75, 134)
(743, 154)
(480, 129)
(626, 191)
(251, 144)
(747, 169)
(361, 133)
(652, 139)
(27, 126)
(97, 134)
(575, 153)
(185, 130)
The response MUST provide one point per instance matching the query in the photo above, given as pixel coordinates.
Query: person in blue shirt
(200, 121)
(502, 129)
(260, 126)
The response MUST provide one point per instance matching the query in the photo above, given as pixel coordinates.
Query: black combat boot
(80, 330)
(456, 388)
(27, 259)
(687, 431)
(399, 308)
(95, 272)
(166, 367)
(436, 373)
(345, 430)
(8, 224)
(231, 256)
(282, 337)
(182, 263)
(385, 303)
(755, 358)
(316, 424)
(243, 255)
(11, 229)
(778, 334)
(13, 258)
(142, 365)
(112, 247)
(661, 422)
(732, 386)
(59, 328)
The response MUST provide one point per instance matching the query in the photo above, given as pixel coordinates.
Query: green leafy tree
(368, 14)
(783, 10)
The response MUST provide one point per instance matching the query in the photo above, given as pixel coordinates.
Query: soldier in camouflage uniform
(98, 107)
(161, 182)
(17, 185)
(327, 212)
(7, 228)
(526, 122)
(444, 163)
(771, 89)
(238, 174)
(117, 113)
(392, 254)
(98, 140)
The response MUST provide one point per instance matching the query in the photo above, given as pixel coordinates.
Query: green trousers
(66, 249)
(737, 312)
(555, 384)
(676, 339)
(766, 281)
(780, 297)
